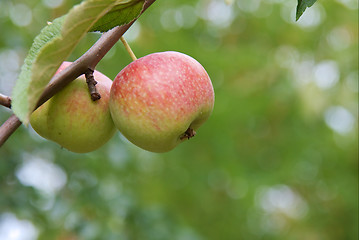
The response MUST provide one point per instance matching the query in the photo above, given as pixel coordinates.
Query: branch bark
(87, 61)
(8, 128)
(5, 101)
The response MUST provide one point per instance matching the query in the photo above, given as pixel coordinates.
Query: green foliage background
(276, 160)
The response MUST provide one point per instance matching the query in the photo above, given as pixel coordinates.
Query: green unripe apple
(72, 119)
(160, 100)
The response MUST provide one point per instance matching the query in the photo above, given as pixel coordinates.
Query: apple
(72, 119)
(161, 99)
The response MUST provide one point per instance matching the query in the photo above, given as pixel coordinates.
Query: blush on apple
(160, 100)
(72, 119)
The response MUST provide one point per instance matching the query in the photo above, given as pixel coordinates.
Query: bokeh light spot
(20, 15)
(339, 38)
(326, 74)
(12, 228)
(339, 119)
(53, 3)
(44, 176)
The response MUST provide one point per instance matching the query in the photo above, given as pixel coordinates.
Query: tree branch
(87, 61)
(5, 101)
(8, 128)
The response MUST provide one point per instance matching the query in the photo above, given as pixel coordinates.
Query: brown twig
(91, 84)
(5, 101)
(8, 128)
(87, 61)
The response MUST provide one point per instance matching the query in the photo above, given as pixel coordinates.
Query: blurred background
(278, 159)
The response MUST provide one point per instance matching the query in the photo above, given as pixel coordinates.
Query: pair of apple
(156, 102)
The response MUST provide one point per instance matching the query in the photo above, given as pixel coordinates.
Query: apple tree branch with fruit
(156, 102)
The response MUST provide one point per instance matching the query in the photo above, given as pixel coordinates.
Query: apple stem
(128, 48)
(91, 83)
(190, 133)
(5, 101)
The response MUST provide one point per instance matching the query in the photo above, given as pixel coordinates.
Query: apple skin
(156, 99)
(72, 119)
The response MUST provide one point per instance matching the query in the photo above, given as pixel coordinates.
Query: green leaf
(20, 103)
(302, 6)
(54, 44)
(119, 15)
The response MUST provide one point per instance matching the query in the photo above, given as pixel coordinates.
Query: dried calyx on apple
(161, 99)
